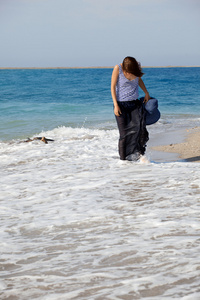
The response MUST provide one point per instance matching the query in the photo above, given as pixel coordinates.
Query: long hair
(131, 65)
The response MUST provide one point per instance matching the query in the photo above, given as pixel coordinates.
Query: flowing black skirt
(133, 134)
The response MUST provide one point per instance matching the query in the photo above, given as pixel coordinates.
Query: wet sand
(188, 149)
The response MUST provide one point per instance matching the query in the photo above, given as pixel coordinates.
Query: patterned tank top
(126, 90)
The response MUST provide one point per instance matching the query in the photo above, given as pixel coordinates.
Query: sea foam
(78, 223)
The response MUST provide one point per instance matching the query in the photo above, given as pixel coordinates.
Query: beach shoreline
(188, 149)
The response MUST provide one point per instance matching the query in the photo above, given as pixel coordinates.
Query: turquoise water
(32, 101)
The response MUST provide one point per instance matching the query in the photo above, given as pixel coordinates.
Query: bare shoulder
(116, 69)
(115, 75)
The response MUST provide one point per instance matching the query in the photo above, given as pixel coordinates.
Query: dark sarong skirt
(133, 134)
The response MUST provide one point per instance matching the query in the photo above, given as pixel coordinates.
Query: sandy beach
(188, 150)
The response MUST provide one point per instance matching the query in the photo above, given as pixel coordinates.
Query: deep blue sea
(38, 100)
(76, 223)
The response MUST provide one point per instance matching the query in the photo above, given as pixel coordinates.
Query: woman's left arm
(143, 87)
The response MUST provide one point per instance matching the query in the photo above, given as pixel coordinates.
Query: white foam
(78, 223)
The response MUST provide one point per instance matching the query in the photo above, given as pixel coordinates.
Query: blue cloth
(152, 113)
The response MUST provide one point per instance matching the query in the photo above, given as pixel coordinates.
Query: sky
(89, 33)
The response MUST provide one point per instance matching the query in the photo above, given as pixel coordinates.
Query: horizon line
(97, 67)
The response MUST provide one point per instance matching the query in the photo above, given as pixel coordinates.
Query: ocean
(78, 223)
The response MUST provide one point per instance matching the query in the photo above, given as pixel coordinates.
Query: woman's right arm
(114, 79)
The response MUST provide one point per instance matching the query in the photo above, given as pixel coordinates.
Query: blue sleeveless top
(126, 90)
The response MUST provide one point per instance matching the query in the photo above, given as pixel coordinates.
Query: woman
(125, 83)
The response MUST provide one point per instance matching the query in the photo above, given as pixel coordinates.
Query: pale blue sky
(71, 33)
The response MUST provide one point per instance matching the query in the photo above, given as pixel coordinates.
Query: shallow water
(77, 223)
